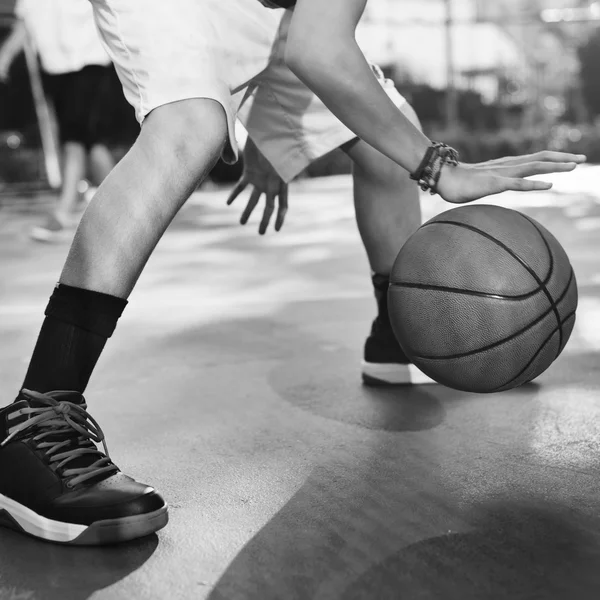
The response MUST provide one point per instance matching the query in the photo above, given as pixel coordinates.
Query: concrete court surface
(232, 386)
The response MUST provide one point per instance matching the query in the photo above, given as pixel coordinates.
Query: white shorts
(230, 51)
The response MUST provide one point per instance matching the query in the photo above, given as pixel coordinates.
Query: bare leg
(177, 146)
(386, 202)
(388, 212)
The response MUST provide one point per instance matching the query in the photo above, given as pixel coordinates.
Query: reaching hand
(466, 182)
(259, 173)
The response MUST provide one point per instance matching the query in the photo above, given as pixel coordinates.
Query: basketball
(482, 298)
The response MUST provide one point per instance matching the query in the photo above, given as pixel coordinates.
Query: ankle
(381, 283)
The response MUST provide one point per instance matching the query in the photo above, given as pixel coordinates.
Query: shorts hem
(289, 166)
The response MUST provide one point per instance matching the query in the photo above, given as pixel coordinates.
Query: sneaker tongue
(63, 396)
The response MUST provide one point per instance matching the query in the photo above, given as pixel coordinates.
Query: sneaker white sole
(109, 531)
(393, 374)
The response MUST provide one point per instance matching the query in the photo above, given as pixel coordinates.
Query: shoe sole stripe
(109, 531)
(39, 526)
(394, 374)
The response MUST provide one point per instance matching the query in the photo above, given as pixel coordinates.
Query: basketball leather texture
(482, 298)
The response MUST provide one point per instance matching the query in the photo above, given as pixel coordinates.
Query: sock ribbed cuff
(380, 282)
(92, 311)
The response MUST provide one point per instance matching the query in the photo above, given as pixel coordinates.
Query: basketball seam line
(522, 261)
(548, 294)
(512, 253)
(571, 314)
(506, 339)
(464, 292)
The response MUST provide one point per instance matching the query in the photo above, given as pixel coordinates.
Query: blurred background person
(77, 80)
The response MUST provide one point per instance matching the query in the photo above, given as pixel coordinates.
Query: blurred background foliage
(490, 78)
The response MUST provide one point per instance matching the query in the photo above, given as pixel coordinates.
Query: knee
(193, 131)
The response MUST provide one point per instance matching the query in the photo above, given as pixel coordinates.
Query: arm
(323, 53)
(12, 46)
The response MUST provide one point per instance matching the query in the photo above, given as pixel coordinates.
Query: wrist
(436, 158)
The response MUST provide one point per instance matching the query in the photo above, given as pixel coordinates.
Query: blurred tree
(589, 56)
(473, 112)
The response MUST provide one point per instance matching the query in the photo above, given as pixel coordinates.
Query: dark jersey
(278, 3)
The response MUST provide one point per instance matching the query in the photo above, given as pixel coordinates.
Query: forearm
(341, 76)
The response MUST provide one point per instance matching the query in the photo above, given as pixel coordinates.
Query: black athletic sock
(381, 283)
(77, 325)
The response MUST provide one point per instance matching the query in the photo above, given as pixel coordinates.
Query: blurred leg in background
(101, 163)
(81, 100)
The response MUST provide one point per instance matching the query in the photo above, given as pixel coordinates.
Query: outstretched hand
(467, 182)
(259, 173)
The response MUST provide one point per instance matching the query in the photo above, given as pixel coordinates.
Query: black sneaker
(384, 361)
(55, 484)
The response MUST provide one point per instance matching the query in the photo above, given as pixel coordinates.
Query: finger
(525, 185)
(283, 206)
(535, 168)
(237, 190)
(254, 198)
(504, 161)
(558, 157)
(546, 156)
(267, 214)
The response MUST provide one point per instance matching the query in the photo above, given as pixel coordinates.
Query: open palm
(467, 182)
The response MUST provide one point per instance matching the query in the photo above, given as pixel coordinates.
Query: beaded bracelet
(429, 171)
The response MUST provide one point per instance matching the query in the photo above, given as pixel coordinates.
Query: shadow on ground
(34, 570)
(527, 551)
